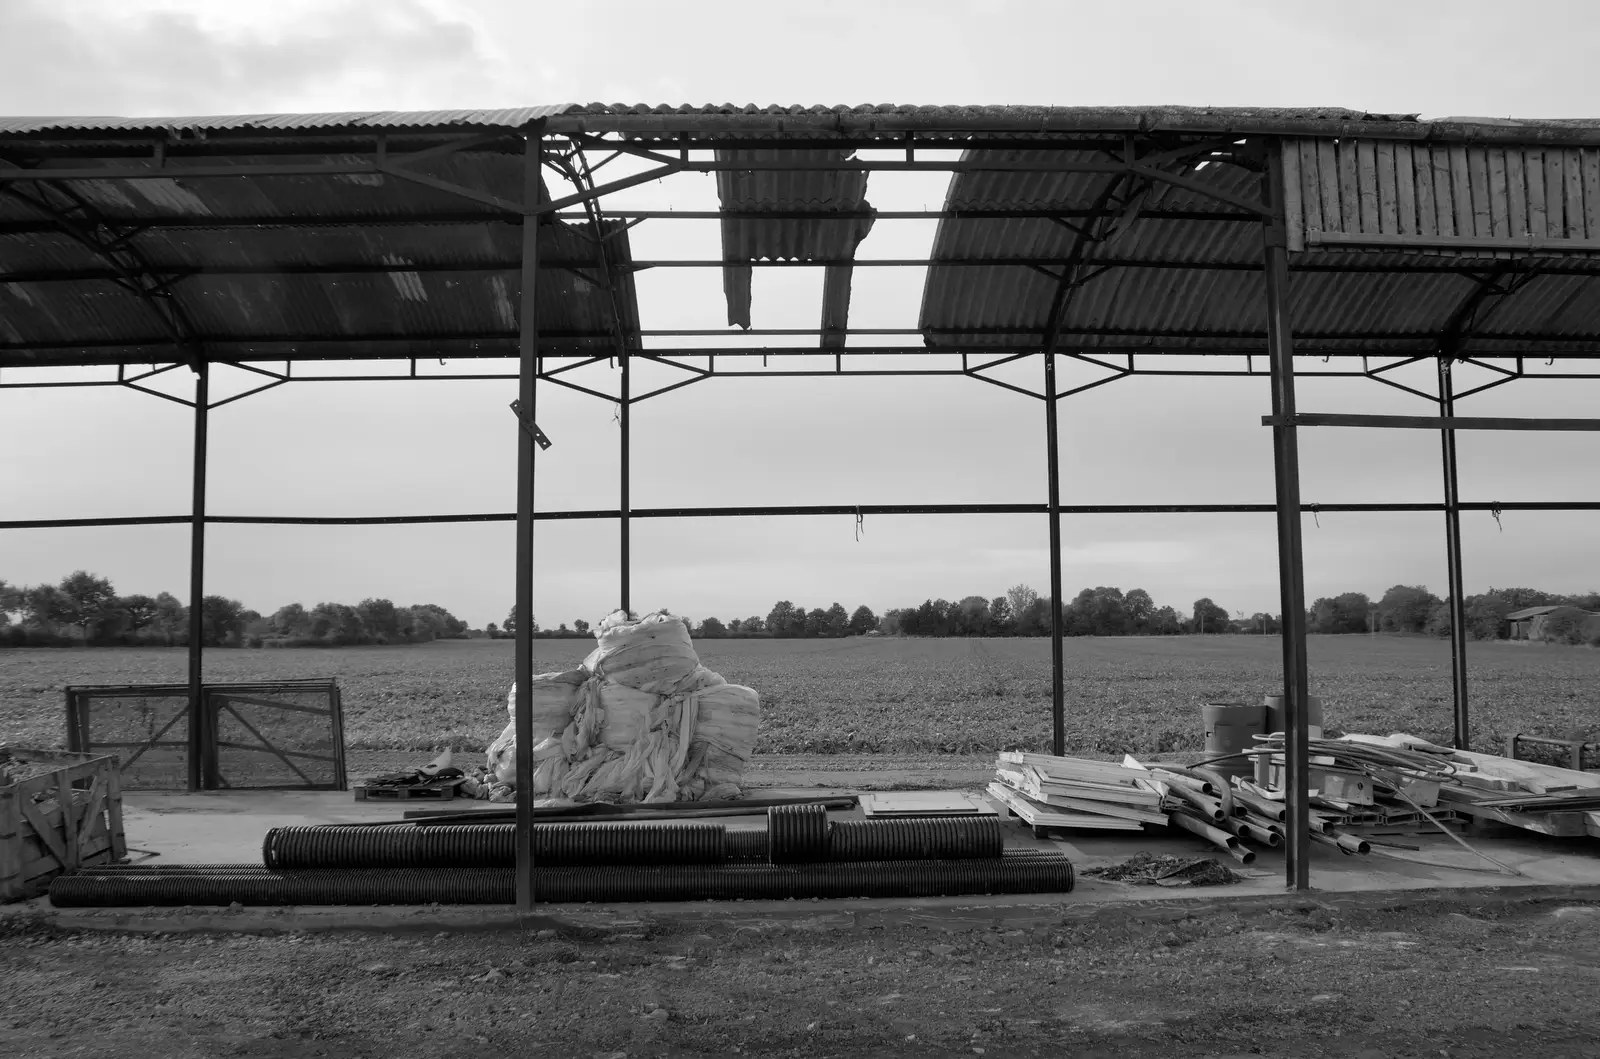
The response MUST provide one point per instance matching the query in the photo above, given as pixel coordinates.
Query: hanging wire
(1495, 509)
(1314, 508)
(861, 524)
(616, 412)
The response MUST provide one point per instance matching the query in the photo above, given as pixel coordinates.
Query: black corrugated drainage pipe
(1018, 872)
(492, 846)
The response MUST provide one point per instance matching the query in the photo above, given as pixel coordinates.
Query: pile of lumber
(1076, 793)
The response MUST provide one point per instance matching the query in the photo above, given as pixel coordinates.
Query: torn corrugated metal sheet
(822, 191)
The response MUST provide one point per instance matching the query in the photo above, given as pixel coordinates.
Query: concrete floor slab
(222, 827)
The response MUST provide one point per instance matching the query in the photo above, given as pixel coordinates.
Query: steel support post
(1452, 539)
(1291, 560)
(624, 415)
(1058, 722)
(199, 775)
(528, 373)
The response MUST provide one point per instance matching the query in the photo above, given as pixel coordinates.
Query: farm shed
(1139, 241)
(1531, 622)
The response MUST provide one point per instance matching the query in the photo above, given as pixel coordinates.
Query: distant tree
(1000, 623)
(87, 598)
(137, 612)
(838, 621)
(863, 621)
(735, 626)
(970, 617)
(1344, 613)
(10, 602)
(711, 629)
(222, 621)
(1265, 624)
(1208, 617)
(1165, 622)
(1522, 598)
(1033, 619)
(581, 627)
(1486, 616)
(890, 623)
(1138, 609)
(780, 619)
(816, 623)
(754, 626)
(172, 618)
(380, 620)
(510, 624)
(1020, 597)
(46, 607)
(1405, 608)
(1568, 625)
(492, 629)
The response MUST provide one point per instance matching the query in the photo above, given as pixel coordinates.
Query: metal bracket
(539, 436)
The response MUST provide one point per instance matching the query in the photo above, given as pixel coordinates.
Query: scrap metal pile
(1362, 788)
(641, 720)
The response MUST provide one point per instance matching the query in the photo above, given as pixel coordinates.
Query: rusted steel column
(1291, 558)
(1452, 542)
(527, 379)
(623, 416)
(1058, 723)
(199, 745)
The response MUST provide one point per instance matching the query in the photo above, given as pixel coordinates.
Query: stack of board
(1048, 791)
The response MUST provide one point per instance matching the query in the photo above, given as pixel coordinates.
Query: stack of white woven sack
(641, 720)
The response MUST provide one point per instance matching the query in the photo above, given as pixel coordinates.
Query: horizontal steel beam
(174, 273)
(1429, 422)
(464, 217)
(785, 511)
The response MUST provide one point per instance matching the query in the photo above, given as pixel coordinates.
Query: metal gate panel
(146, 727)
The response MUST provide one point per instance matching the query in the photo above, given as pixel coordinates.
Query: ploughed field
(903, 697)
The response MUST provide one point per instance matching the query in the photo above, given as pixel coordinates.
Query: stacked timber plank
(1076, 793)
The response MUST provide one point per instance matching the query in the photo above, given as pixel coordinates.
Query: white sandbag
(651, 654)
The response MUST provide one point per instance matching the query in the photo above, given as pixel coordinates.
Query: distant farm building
(1529, 623)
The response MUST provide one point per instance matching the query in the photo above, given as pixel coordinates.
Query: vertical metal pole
(1291, 560)
(624, 415)
(1452, 538)
(198, 743)
(1058, 721)
(527, 378)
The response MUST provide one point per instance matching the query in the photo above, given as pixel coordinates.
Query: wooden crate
(65, 819)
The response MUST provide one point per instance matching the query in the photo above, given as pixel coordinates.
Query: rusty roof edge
(812, 121)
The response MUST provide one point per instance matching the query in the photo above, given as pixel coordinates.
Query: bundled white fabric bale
(554, 701)
(627, 715)
(650, 654)
(729, 718)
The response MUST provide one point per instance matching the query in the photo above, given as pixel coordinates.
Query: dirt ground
(1434, 978)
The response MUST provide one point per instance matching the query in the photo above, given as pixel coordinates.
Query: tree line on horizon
(85, 609)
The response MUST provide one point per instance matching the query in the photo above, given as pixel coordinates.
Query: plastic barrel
(1277, 722)
(1229, 727)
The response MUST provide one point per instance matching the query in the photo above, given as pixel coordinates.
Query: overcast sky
(388, 448)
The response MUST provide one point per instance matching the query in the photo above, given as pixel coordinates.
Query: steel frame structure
(1131, 157)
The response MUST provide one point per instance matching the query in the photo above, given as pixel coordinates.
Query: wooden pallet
(68, 818)
(443, 790)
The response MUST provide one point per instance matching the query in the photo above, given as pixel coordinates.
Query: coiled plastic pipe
(492, 846)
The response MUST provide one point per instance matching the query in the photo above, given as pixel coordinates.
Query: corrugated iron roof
(351, 119)
(823, 238)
